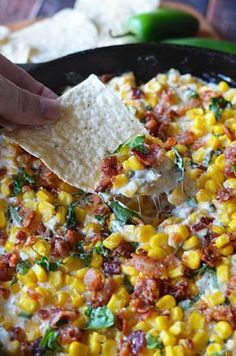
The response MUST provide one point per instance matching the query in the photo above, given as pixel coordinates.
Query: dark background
(221, 14)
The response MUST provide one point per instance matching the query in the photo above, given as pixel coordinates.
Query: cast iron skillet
(144, 59)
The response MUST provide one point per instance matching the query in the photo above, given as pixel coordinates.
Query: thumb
(24, 108)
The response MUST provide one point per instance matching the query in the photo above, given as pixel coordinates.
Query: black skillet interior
(146, 60)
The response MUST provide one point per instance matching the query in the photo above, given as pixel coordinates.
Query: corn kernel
(223, 86)
(216, 299)
(232, 225)
(167, 338)
(77, 300)
(213, 142)
(144, 233)
(132, 163)
(94, 342)
(177, 328)
(71, 263)
(213, 348)
(166, 302)
(91, 228)
(77, 348)
(40, 273)
(221, 240)
(230, 183)
(220, 162)
(175, 272)
(3, 220)
(97, 261)
(65, 198)
(176, 313)
(223, 273)
(191, 242)
(61, 215)
(159, 239)
(113, 240)
(61, 298)
(218, 229)
(210, 118)
(46, 210)
(211, 186)
(5, 190)
(203, 196)
(42, 247)
(223, 329)
(161, 322)
(227, 250)
(118, 300)
(200, 339)
(173, 351)
(156, 252)
(120, 180)
(27, 304)
(44, 195)
(56, 279)
(80, 213)
(78, 285)
(199, 155)
(28, 279)
(196, 321)
(191, 259)
(218, 129)
(109, 348)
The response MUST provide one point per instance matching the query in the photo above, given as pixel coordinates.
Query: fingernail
(50, 109)
(48, 93)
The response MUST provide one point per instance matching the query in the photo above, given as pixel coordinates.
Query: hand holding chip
(23, 100)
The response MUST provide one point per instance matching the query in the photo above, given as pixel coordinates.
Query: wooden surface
(220, 14)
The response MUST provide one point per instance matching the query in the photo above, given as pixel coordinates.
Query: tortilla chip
(67, 32)
(114, 14)
(94, 122)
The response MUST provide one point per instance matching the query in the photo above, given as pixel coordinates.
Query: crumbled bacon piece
(110, 166)
(105, 78)
(33, 294)
(47, 178)
(72, 237)
(43, 314)
(170, 142)
(21, 236)
(31, 240)
(4, 293)
(221, 312)
(93, 280)
(203, 223)
(186, 138)
(133, 344)
(6, 272)
(178, 290)
(112, 267)
(230, 154)
(102, 297)
(60, 247)
(62, 315)
(145, 295)
(225, 194)
(69, 334)
(12, 258)
(148, 266)
(231, 285)
(17, 333)
(3, 238)
(209, 253)
(104, 184)
(28, 218)
(124, 249)
(154, 156)
(122, 321)
(3, 171)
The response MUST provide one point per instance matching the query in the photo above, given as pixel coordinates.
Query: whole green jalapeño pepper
(161, 24)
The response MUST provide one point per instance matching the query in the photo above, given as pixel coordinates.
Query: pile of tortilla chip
(72, 30)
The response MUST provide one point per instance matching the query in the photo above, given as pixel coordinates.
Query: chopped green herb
(83, 255)
(218, 104)
(23, 267)
(101, 219)
(49, 266)
(14, 216)
(100, 249)
(134, 245)
(179, 162)
(25, 315)
(154, 342)
(122, 213)
(99, 318)
(20, 179)
(127, 284)
(14, 280)
(71, 216)
(137, 143)
(234, 168)
(50, 341)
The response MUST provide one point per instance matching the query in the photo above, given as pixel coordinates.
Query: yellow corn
(3, 220)
(5, 190)
(216, 299)
(175, 272)
(191, 259)
(203, 195)
(118, 300)
(61, 215)
(196, 321)
(176, 313)
(27, 304)
(46, 210)
(44, 195)
(120, 180)
(223, 273)
(213, 348)
(40, 273)
(177, 328)
(71, 263)
(56, 279)
(161, 322)
(223, 86)
(200, 339)
(113, 240)
(42, 247)
(97, 261)
(133, 164)
(159, 239)
(144, 233)
(230, 183)
(61, 298)
(167, 338)
(156, 252)
(77, 300)
(65, 198)
(77, 348)
(28, 279)
(109, 348)
(174, 350)
(223, 329)
(166, 302)
(227, 250)
(191, 242)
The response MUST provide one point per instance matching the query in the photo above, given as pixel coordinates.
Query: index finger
(23, 80)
